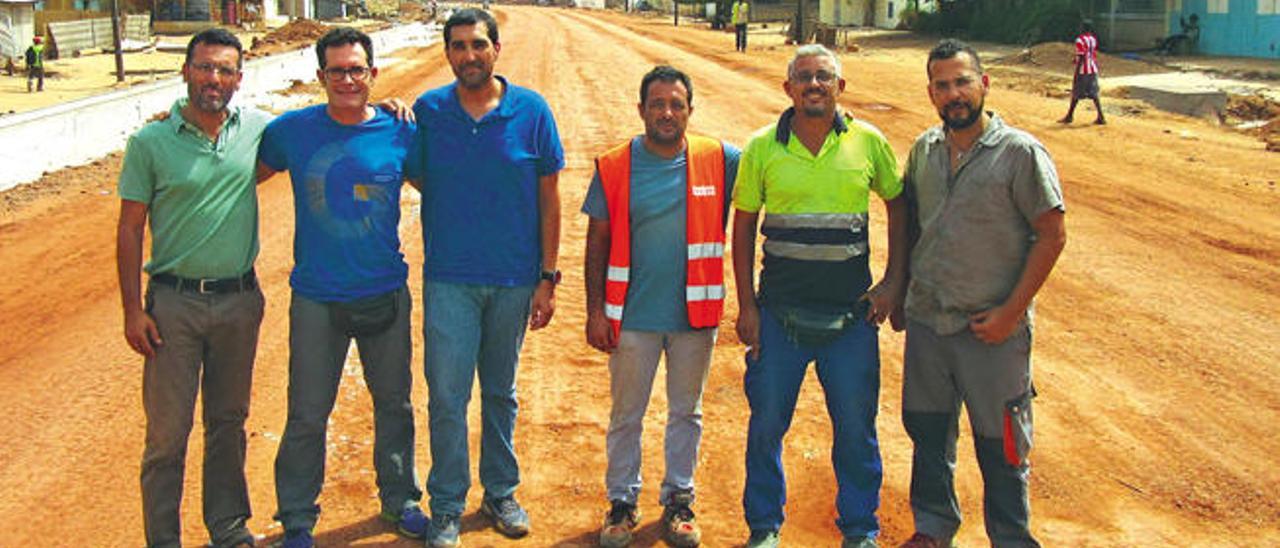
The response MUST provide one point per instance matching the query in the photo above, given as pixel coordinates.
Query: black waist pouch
(367, 316)
(813, 328)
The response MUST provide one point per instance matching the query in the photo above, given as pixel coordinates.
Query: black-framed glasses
(211, 68)
(337, 74)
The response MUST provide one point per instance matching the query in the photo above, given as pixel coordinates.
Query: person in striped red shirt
(1085, 83)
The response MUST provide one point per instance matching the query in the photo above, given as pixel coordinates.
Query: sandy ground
(1156, 345)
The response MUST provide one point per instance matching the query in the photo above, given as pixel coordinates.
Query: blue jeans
(849, 370)
(317, 351)
(470, 329)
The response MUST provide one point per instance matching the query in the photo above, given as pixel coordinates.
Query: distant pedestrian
(1085, 83)
(1190, 35)
(35, 64)
(741, 16)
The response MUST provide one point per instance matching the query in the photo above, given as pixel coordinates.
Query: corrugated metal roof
(17, 1)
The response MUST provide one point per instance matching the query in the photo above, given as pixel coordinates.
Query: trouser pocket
(1017, 428)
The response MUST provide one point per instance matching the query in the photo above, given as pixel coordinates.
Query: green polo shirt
(200, 194)
(815, 224)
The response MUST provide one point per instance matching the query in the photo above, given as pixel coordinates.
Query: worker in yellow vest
(35, 64)
(740, 19)
(655, 283)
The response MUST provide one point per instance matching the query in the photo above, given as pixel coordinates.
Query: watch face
(551, 276)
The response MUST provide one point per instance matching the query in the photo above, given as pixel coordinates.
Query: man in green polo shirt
(813, 172)
(191, 178)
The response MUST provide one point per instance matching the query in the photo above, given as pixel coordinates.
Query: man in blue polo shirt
(346, 161)
(490, 159)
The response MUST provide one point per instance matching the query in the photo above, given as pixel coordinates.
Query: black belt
(208, 285)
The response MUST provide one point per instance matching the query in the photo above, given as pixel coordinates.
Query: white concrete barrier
(77, 132)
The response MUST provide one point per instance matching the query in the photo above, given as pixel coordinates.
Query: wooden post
(115, 39)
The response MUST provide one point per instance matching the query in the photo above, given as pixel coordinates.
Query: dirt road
(1156, 345)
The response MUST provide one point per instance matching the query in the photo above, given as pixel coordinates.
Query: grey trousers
(209, 344)
(317, 350)
(632, 368)
(994, 383)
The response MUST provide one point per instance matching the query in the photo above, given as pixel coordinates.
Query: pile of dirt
(1255, 114)
(1059, 58)
(296, 34)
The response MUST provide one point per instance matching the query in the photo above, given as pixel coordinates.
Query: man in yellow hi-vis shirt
(740, 19)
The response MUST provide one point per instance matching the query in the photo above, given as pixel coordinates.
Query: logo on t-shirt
(703, 191)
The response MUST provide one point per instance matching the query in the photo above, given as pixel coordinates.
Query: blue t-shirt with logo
(659, 254)
(480, 218)
(346, 194)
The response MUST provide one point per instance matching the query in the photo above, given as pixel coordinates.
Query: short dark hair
(341, 36)
(471, 16)
(949, 48)
(215, 37)
(668, 74)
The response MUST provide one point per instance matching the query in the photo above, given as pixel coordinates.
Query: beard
(964, 121)
(207, 103)
(472, 79)
(658, 136)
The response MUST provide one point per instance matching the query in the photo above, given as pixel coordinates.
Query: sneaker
(618, 523)
(443, 531)
(411, 522)
(921, 540)
(859, 542)
(298, 538)
(678, 526)
(508, 517)
(763, 539)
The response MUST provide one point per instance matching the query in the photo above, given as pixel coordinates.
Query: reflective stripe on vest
(704, 230)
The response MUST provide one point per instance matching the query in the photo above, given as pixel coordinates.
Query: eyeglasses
(210, 68)
(337, 74)
(822, 77)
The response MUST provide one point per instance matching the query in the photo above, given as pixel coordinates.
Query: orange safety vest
(704, 230)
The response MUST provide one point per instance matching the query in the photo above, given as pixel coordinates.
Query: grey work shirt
(974, 226)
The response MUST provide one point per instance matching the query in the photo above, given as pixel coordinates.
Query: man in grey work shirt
(989, 228)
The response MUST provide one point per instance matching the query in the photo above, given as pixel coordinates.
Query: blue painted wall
(1240, 32)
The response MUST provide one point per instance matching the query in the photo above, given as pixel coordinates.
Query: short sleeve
(550, 151)
(137, 177)
(1036, 188)
(886, 182)
(271, 150)
(732, 155)
(748, 185)
(594, 205)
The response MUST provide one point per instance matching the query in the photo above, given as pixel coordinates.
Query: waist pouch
(806, 327)
(366, 316)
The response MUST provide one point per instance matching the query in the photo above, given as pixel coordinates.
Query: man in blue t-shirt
(346, 161)
(489, 159)
(645, 256)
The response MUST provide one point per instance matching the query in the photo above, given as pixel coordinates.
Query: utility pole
(115, 38)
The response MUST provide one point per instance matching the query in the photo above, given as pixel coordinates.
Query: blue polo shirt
(480, 217)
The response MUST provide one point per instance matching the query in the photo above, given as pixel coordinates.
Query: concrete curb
(77, 132)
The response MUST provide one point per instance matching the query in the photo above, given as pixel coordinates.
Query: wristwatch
(552, 276)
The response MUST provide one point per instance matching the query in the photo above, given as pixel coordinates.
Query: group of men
(974, 228)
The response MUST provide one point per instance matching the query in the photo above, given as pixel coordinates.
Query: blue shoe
(443, 531)
(507, 516)
(300, 538)
(411, 522)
